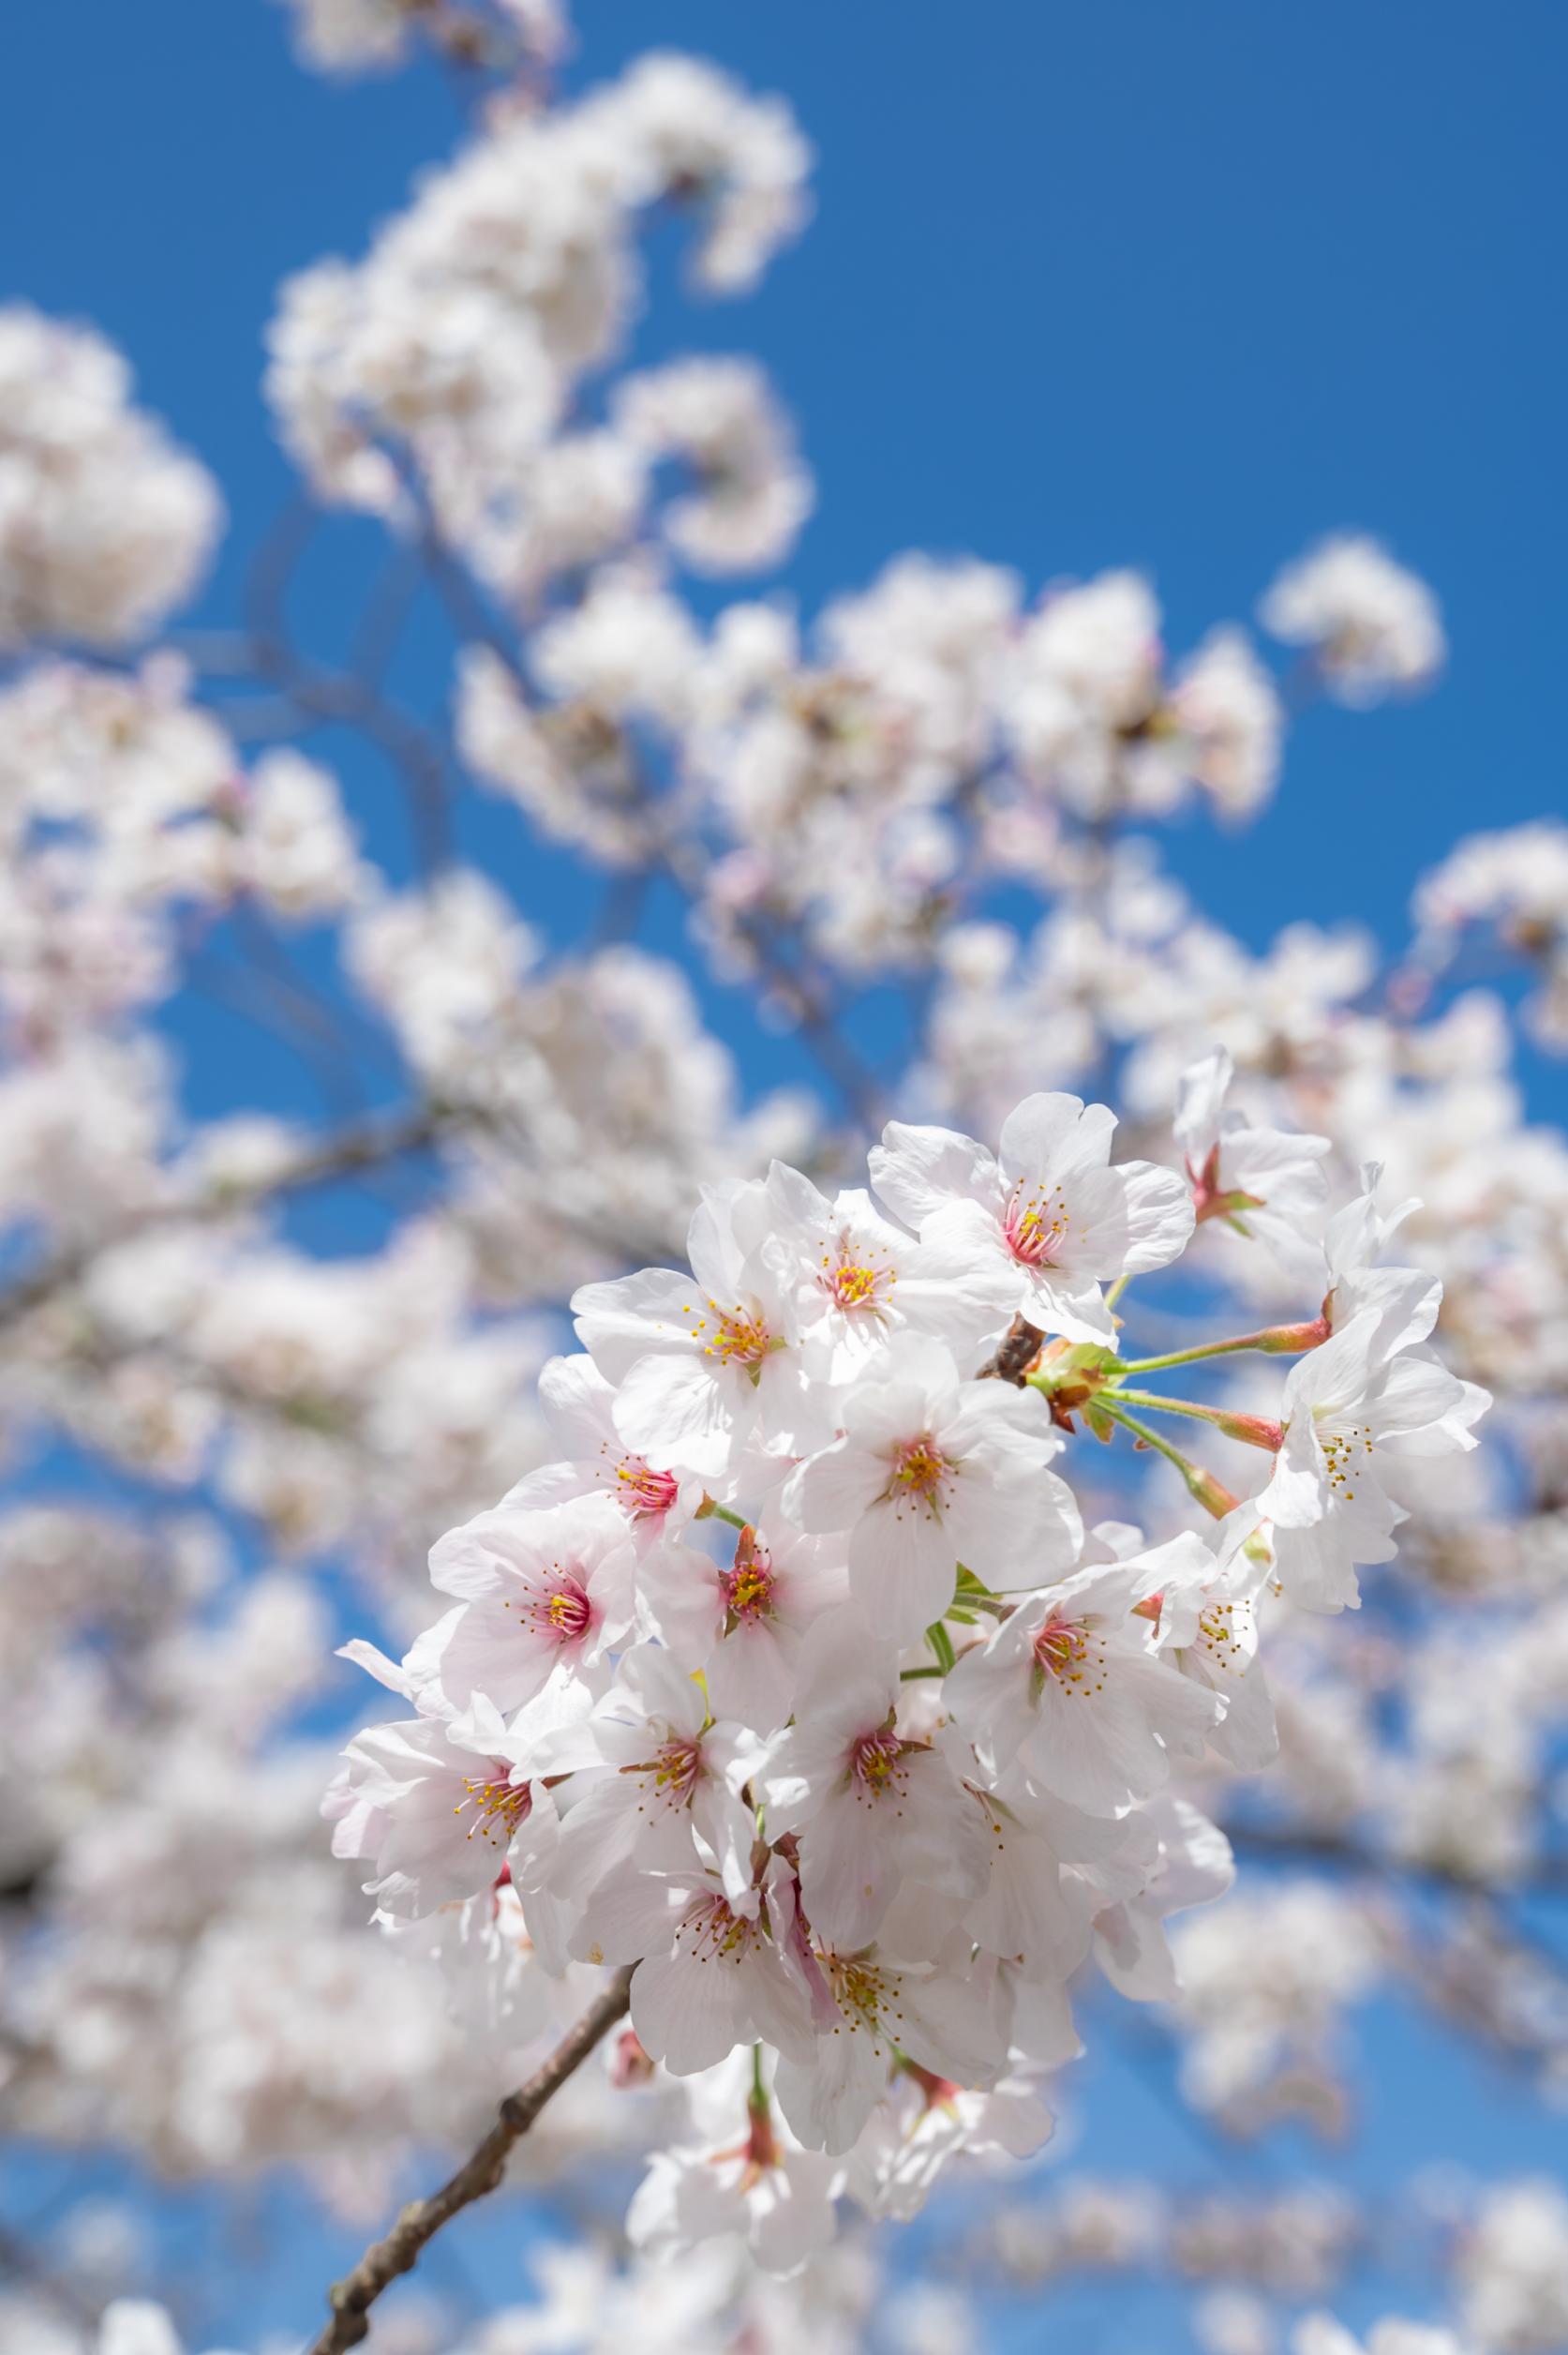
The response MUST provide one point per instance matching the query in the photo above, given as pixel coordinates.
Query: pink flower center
(676, 1770)
(748, 1583)
(876, 1763)
(565, 1613)
(921, 1465)
(499, 1805)
(851, 1282)
(863, 1993)
(709, 1932)
(1060, 1648)
(647, 1494)
(1035, 1225)
(737, 1337)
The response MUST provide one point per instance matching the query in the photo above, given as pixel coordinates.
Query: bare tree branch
(1548, 1877)
(360, 1146)
(20, 2260)
(481, 2173)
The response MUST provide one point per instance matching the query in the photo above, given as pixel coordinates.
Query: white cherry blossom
(542, 1593)
(1072, 1689)
(699, 1359)
(1048, 1221)
(1351, 1412)
(1261, 1181)
(876, 1809)
(439, 1809)
(932, 1471)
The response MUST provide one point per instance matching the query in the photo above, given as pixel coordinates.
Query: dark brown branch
(1549, 1877)
(20, 2261)
(481, 2173)
(806, 1002)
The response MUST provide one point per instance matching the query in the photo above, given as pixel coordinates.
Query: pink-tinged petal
(849, 1871)
(848, 1678)
(989, 1691)
(1132, 1950)
(828, 2098)
(964, 1244)
(729, 1828)
(1124, 1220)
(633, 1914)
(1422, 1409)
(1043, 2027)
(902, 1569)
(1049, 1135)
(751, 1678)
(621, 1321)
(375, 1663)
(486, 1647)
(1030, 1910)
(681, 1601)
(599, 1834)
(916, 1171)
(677, 1408)
(684, 2012)
(1199, 1103)
(576, 1397)
(831, 1490)
(950, 2026)
(797, 2222)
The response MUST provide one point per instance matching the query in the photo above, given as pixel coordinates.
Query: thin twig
(23, 2263)
(361, 1145)
(808, 1005)
(1548, 1877)
(481, 2173)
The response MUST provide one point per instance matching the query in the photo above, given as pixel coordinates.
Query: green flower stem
(1212, 1494)
(1253, 1429)
(1277, 1340)
(708, 1511)
(941, 1644)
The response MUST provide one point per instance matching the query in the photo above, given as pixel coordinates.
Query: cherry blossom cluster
(104, 525)
(798, 1683)
(434, 381)
(799, 1652)
(347, 37)
(585, 2305)
(857, 782)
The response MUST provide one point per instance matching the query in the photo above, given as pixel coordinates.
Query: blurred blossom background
(356, 1005)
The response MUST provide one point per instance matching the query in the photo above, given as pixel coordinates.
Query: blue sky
(1091, 282)
(1177, 286)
